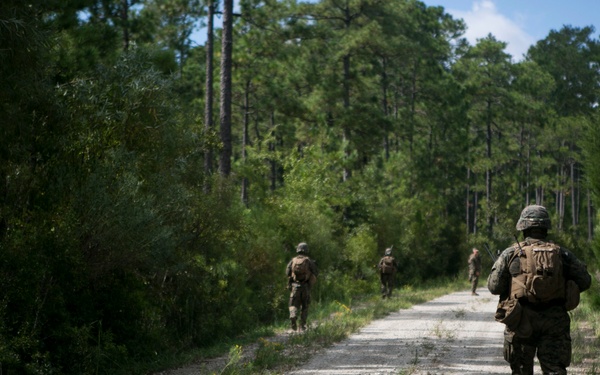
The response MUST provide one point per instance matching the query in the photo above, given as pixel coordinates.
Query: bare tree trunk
(272, 161)
(527, 174)
(396, 116)
(225, 107)
(475, 203)
(561, 210)
(413, 109)
(578, 201)
(384, 104)
(560, 200)
(125, 26)
(488, 172)
(346, 96)
(574, 205)
(590, 221)
(467, 206)
(209, 92)
(346, 131)
(245, 141)
(557, 193)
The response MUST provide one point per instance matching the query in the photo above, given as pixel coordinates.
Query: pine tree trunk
(125, 26)
(225, 107)
(488, 172)
(245, 141)
(475, 203)
(590, 221)
(413, 110)
(346, 130)
(467, 206)
(272, 161)
(528, 175)
(208, 105)
(560, 200)
(574, 205)
(384, 104)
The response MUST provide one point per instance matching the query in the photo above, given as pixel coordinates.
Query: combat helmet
(388, 251)
(302, 248)
(534, 216)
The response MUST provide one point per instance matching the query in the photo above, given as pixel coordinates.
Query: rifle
(518, 244)
(487, 248)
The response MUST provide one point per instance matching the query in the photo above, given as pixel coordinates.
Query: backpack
(301, 269)
(387, 265)
(541, 278)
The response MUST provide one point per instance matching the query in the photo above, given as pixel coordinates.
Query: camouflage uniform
(300, 291)
(550, 323)
(387, 279)
(474, 270)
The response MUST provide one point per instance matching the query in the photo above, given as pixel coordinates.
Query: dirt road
(453, 334)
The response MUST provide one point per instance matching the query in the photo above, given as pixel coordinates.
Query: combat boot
(294, 327)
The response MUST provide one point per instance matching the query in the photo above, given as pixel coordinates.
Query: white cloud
(484, 18)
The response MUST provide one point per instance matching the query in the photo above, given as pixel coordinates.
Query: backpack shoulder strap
(518, 251)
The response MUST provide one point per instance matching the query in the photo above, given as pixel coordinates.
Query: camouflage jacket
(499, 280)
(474, 263)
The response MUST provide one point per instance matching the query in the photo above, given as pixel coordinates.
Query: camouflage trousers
(387, 284)
(299, 302)
(474, 279)
(550, 338)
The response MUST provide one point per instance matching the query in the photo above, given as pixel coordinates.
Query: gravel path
(453, 334)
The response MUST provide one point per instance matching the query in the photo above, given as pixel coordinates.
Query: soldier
(387, 267)
(536, 281)
(302, 274)
(474, 270)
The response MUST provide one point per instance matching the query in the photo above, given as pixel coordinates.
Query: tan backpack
(541, 278)
(301, 270)
(387, 265)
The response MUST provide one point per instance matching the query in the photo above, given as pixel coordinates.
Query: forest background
(152, 191)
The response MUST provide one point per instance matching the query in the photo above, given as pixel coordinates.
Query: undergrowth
(585, 332)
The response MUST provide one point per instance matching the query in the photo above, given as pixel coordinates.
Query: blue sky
(520, 23)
